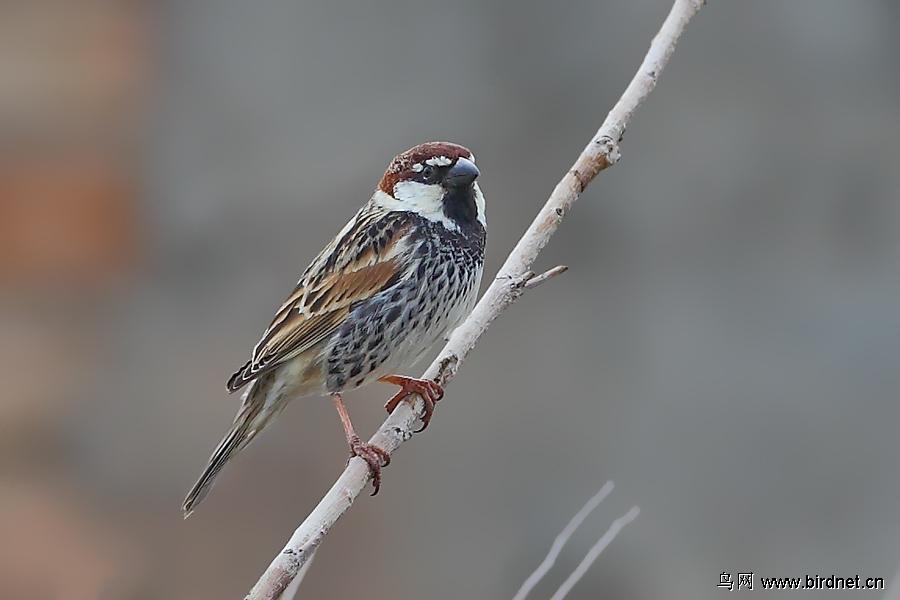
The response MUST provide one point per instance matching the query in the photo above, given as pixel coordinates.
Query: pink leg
(372, 454)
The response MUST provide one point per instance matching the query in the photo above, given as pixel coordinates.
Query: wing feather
(367, 257)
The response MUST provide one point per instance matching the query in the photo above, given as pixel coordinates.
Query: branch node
(402, 434)
(446, 367)
(610, 151)
(583, 181)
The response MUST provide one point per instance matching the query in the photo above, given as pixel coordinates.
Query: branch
(595, 551)
(563, 537)
(536, 280)
(600, 153)
(291, 590)
(561, 540)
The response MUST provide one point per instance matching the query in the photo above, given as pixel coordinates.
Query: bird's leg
(372, 454)
(429, 390)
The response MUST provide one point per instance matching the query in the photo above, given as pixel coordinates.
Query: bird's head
(435, 180)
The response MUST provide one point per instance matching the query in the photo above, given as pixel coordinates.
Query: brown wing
(366, 258)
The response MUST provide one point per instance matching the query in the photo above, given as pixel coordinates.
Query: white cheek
(426, 201)
(423, 199)
(420, 197)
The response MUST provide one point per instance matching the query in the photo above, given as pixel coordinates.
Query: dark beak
(462, 174)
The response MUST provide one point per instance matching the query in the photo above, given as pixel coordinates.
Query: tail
(242, 431)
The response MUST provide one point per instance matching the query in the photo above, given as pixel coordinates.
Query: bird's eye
(428, 173)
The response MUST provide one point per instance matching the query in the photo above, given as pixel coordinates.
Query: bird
(400, 276)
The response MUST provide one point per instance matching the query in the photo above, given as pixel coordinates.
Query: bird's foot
(429, 390)
(374, 456)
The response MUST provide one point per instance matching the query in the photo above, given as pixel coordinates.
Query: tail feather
(262, 400)
(237, 437)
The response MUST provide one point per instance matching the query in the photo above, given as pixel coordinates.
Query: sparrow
(400, 276)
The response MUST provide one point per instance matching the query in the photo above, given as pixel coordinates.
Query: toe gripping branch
(430, 391)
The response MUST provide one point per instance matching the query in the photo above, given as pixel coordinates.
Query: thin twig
(537, 280)
(601, 152)
(561, 540)
(595, 551)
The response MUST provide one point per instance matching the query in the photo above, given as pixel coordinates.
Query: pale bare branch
(595, 551)
(291, 591)
(537, 280)
(604, 541)
(561, 540)
(601, 152)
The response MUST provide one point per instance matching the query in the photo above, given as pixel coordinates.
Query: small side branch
(536, 280)
(600, 153)
(561, 540)
(604, 541)
(563, 537)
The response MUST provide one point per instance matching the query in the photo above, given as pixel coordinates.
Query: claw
(430, 392)
(374, 456)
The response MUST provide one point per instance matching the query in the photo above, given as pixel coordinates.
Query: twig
(595, 551)
(601, 152)
(561, 540)
(536, 280)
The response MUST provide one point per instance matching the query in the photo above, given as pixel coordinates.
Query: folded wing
(367, 257)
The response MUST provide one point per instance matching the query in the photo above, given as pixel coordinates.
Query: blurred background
(725, 345)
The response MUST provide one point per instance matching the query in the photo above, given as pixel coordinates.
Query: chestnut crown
(431, 163)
